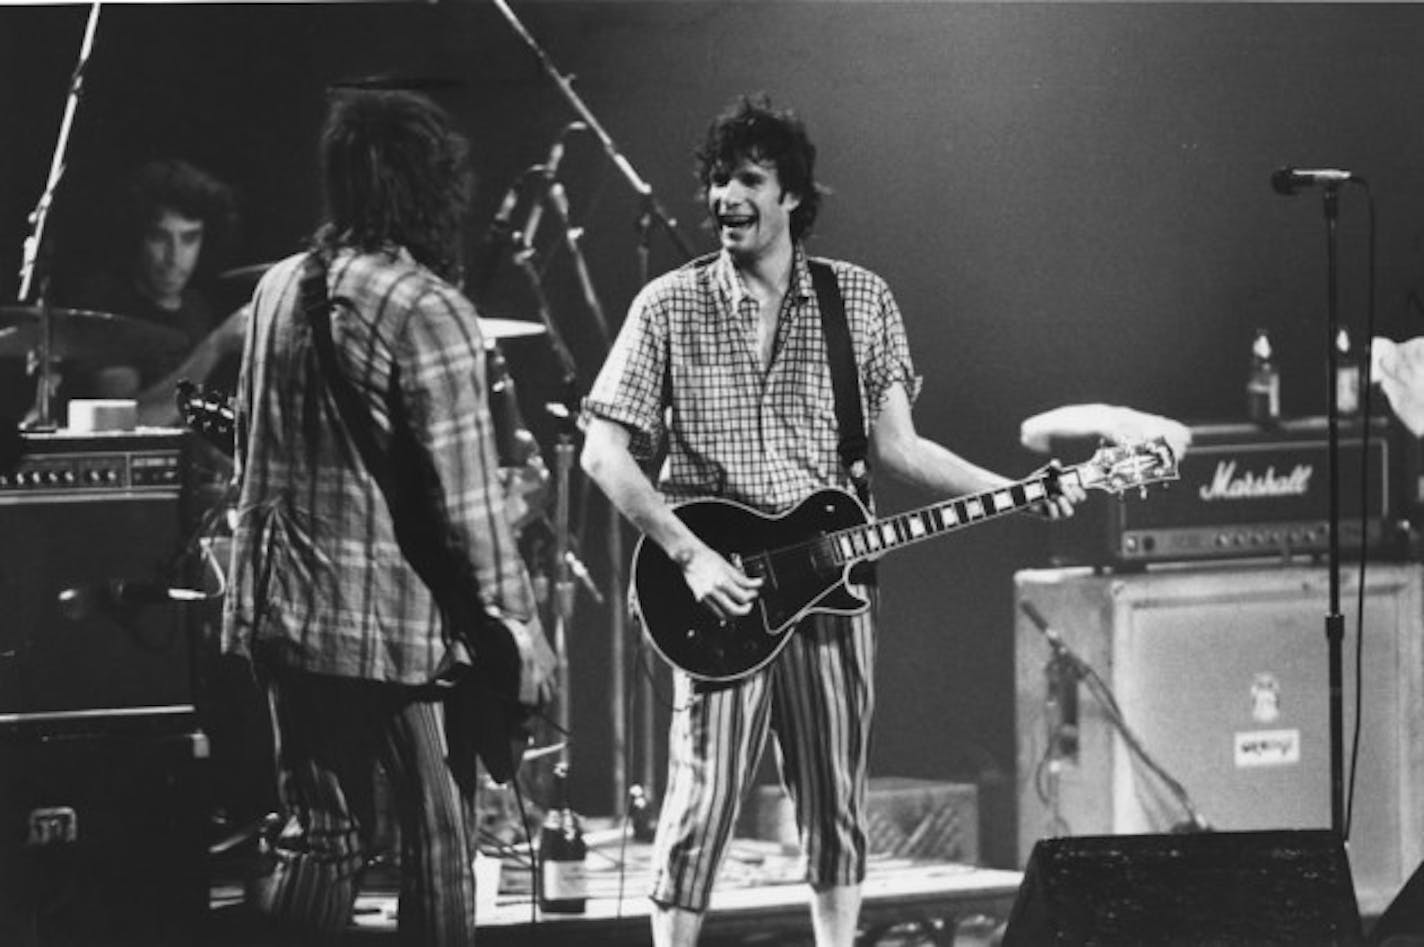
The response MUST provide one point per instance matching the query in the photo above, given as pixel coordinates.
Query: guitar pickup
(757, 567)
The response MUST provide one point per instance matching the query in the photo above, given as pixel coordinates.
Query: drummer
(173, 215)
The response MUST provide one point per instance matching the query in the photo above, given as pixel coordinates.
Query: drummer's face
(171, 246)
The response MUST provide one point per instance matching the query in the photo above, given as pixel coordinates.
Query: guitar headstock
(208, 412)
(1117, 468)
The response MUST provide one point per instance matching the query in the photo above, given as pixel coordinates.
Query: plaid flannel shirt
(318, 580)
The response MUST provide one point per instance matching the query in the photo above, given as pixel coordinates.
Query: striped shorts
(817, 697)
(331, 732)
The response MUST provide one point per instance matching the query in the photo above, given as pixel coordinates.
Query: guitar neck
(872, 539)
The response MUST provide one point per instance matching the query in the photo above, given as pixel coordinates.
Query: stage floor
(760, 898)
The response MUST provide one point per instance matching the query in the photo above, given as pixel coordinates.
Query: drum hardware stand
(564, 414)
(651, 211)
(35, 242)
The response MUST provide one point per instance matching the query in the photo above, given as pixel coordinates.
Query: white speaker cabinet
(1222, 673)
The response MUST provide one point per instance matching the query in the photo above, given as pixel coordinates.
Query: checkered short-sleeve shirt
(685, 379)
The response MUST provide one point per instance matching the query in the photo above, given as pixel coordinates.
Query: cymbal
(509, 328)
(390, 82)
(252, 271)
(101, 337)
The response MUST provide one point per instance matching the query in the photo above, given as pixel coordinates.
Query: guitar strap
(853, 445)
(420, 534)
(850, 419)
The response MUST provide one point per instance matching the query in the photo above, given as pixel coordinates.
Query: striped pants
(330, 734)
(817, 697)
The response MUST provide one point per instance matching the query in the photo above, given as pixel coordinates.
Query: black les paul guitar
(804, 555)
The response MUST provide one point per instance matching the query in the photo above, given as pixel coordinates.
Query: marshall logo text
(1227, 484)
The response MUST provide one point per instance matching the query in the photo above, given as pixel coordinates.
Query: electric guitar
(803, 557)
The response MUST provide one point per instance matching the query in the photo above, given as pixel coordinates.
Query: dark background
(1070, 201)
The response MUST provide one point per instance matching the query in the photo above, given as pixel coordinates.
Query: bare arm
(711, 578)
(155, 403)
(899, 449)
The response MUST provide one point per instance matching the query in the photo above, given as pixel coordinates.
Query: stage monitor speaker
(1230, 889)
(1402, 923)
(94, 527)
(1221, 672)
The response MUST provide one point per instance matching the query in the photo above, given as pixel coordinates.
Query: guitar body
(687, 633)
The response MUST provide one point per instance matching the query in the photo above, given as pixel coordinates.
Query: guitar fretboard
(860, 542)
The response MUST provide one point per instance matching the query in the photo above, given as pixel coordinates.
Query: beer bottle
(563, 883)
(1263, 384)
(1347, 376)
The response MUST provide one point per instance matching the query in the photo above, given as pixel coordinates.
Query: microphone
(82, 601)
(547, 170)
(496, 237)
(511, 435)
(1041, 623)
(1289, 180)
(1061, 683)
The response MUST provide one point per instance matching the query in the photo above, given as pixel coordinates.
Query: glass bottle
(1347, 376)
(563, 880)
(1263, 384)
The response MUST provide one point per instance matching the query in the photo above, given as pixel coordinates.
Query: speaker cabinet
(102, 840)
(79, 516)
(1222, 675)
(1254, 889)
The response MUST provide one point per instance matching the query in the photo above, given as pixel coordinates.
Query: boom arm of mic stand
(572, 237)
(30, 254)
(565, 86)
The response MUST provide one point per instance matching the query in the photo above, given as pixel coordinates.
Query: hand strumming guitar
(715, 582)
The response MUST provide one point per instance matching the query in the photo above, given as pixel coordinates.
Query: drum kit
(83, 335)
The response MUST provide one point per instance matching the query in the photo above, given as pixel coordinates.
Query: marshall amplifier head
(1253, 491)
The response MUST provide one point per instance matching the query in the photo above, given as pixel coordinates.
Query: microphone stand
(1334, 620)
(563, 597)
(39, 218)
(651, 211)
(1074, 670)
(565, 86)
(617, 600)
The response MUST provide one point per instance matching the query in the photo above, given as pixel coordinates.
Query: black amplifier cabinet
(102, 840)
(92, 529)
(1249, 491)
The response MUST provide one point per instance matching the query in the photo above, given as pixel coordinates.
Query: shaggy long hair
(394, 171)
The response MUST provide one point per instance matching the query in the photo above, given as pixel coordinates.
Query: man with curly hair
(721, 367)
(176, 216)
(371, 538)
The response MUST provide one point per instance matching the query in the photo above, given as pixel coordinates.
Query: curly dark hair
(394, 171)
(751, 128)
(172, 184)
